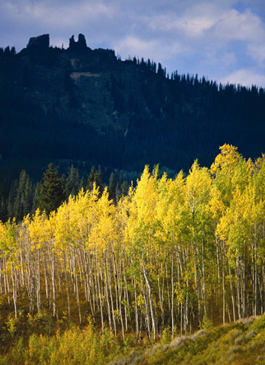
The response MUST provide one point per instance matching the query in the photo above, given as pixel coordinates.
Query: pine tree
(95, 177)
(51, 191)
(72, 182)
(24, 198)
(112, 187)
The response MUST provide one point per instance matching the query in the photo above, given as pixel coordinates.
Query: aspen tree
(143, 211)
(198, 185)
(9, 247)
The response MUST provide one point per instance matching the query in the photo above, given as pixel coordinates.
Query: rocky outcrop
(40, 42)
(80, 45)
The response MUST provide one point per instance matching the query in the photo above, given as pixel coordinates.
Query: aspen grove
(170, 254)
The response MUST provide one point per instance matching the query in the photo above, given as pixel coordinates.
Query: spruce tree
(95, 177)
(51, 191)
(112, 187)
(72, 184)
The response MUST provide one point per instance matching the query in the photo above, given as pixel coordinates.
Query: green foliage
(72, 347)
(51, 191)
(207, 324)
(166, 336)
(11, 326)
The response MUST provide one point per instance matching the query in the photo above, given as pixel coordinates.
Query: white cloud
(133, 46)
(245, 77)
(233, 25)
(211, 37)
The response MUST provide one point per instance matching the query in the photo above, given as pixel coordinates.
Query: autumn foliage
(171, 255)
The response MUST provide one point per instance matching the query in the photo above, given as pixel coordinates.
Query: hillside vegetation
(87, 107)
(172, 256)
(240, 343)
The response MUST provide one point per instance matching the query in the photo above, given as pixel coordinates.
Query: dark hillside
(87, 105)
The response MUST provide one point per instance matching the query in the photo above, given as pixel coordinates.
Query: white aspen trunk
(217, 258)
(38, 284)
(107, 293)
(160, 293)
(52, 264)
(5, 281)
(111, 298)
(172, 295)
(186, 315)
(118, 292)
(115, 279)
(260, 294)
(244, 282)
(203, 282)
(136, 311)
(232, 294)
(1, 288)
(256, 278)
(77, 288)
(22, 269)
(28, 271)
(46, 278)
(147, 318)
(101, 305)
(67, 288)
(31, 290)
(180, 279)
(238, 288)
(223, 280)
(90, 286)
(150, 301)
(57, 268)
(8, 289)
(168, 292)
(14, 287)
(126, 297)
(120, 299)
(197, 276)
(263, 287)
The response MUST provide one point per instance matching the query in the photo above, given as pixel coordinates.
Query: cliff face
(41, 42)
(72, 82)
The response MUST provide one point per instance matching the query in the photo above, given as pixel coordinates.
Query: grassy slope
(240, 343)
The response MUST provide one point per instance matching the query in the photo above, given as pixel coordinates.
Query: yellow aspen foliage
(228, 159)
(198, 184)
(38, 230)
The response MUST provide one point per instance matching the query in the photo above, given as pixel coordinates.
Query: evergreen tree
(72, 184)
(3, 202)
(24, 198)
(112, 187)
(11, 199)
(95, 177)
(51, 191)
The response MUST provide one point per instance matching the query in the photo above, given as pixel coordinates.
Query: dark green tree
(72, 184)
(24, 197)
(95, 177)
(112, 187)
(124, 188)
(51, 191)
(3, 202)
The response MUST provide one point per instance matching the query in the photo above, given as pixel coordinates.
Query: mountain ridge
(81, 104)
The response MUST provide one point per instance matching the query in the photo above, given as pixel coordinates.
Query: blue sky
(223, 40)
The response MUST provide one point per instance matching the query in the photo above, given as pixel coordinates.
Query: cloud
(59, 15)
(210, 37)
(245, 77)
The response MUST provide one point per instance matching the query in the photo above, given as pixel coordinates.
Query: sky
(222, 40)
